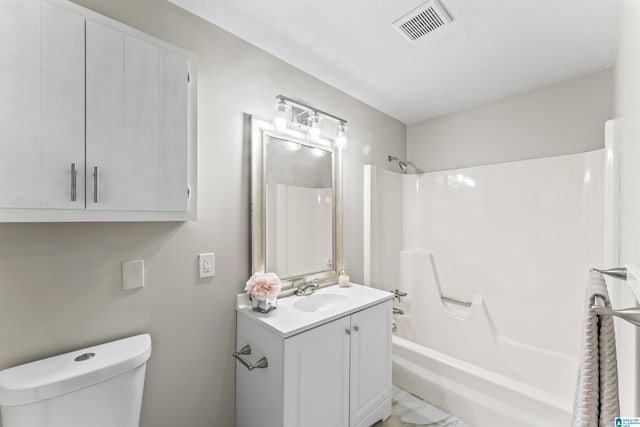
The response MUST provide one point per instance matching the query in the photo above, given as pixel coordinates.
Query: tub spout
(397, 311)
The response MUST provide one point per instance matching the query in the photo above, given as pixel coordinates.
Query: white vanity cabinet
(333, 373)
(370, 369)
(97, 119)
(316, 376)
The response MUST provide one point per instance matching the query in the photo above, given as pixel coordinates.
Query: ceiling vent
(423, 20)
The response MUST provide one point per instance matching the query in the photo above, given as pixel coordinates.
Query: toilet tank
(99, 386)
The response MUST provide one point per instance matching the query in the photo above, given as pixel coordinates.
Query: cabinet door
(370, 360)
(316, 377)
(122, 121)
(173, 137)
(137, 112)
(62, 107)
(105, 117)
(42, 105)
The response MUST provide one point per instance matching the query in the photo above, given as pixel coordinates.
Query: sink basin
(321, 302)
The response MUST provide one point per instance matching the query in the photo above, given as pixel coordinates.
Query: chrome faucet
(305, 289)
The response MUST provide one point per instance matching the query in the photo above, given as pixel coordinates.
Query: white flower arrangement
(263, 286)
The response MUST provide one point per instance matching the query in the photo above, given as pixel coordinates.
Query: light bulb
(341, 137)
(281, 118)
(314, 129)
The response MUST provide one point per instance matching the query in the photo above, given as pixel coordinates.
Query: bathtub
(480, 397)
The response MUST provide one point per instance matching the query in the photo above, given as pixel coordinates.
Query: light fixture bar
(311, 109)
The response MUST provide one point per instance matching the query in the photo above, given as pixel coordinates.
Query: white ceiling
(493, 48)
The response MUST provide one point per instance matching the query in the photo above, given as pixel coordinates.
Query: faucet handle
(398, 293)
(307, 288)
(299, 287)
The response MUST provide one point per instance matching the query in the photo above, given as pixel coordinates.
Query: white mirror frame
(261, 130)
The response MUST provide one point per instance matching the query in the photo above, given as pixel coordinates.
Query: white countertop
(287, 320)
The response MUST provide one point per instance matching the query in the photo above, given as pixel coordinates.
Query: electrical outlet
(207, 264)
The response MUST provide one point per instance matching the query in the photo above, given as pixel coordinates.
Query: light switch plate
(207, 265)
(133, 274)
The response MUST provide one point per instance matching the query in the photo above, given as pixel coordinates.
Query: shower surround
(494, 260)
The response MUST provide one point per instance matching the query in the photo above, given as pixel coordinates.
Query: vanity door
(316, 376)
(370, 363)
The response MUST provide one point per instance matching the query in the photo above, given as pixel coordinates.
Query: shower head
(403, 165)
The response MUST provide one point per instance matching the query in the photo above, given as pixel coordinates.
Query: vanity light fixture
(281, 119)
(314, 126)
(291, 114)
(341, 137)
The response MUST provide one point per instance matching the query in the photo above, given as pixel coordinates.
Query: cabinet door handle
(347, 331)
(95, 184)
(356, 328)
(74, 182)
(245, 351)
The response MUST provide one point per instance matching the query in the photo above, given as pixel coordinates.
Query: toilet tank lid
(47, 378)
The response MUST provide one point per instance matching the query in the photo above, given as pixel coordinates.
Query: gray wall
(564, 118)
(60, 283)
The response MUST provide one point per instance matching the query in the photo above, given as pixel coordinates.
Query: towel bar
(616, 273)
(631, 314)
(245, 351)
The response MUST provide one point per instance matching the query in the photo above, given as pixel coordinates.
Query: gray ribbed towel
(596, 402)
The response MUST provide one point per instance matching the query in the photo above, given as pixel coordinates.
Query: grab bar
(631, 314)
(456, 301)
(245, 351)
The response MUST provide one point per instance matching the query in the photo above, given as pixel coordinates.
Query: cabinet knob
(347, 331)
(356, 328)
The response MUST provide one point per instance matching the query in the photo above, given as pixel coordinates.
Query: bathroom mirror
(295, 205)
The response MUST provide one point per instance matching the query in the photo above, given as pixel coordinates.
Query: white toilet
(98, 386)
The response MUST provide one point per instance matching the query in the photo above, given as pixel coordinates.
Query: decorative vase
(264, 306)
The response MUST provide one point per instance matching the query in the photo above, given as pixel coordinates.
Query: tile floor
(410, 411)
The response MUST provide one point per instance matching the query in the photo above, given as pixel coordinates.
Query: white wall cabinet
(89, 103)
(41, 105)
(337, 374)
(137, 128)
